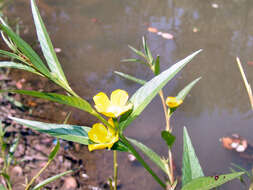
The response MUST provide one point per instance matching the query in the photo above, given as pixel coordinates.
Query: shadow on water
(94, 35)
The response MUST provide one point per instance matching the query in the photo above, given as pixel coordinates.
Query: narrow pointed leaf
(191, 167)
(51, 179)
(59, 98)
(11, 55)
(157, 65)
(74, 133)
(206, 183)
(131, 78)
(46, 44)
(183, 93)
(147, 50)
(137, 51)
(12, 150)
(144, 95)
(55, 150)
(168, 138)
(26, 50)
(10, 64)
(150, 154)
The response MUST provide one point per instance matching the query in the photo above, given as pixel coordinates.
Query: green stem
(115, 163)
(140, 159)
(37, 175)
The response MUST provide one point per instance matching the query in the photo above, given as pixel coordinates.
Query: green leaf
(183, 93)
(10, 55)
(147, 50)
(137, 51)
(26, 50)
(59, 98)
(157, 66)
(131, 78)
(144, 95)
(191, 168)
(11, 152)
(2, 187)
(168, 138)
(134, 60)
(55, 150)
(150, 154)
(206, 183)
(46, 44)
(10, 64)
(51, 179)
(72, 133)
(120, 146)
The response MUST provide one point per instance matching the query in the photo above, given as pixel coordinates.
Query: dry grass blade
(247, 85)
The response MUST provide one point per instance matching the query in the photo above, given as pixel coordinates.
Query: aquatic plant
(121, 112)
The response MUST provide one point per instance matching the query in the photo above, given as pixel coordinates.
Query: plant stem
(37, 175)
(115, 163)
(140, 159)
(165, 111)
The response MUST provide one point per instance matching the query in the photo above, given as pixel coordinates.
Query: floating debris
(131, 158)
(57, 50)
(153, 30)
(215, 5)
(195, 29)
(235, 142)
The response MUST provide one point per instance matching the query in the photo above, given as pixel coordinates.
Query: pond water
(93, 36)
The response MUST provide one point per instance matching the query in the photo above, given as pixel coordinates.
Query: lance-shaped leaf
(11, 152)
(191, 167)
(72, 133)
(26, 50)
(46, 44)
(137, 52)
(157, 66)
(206, 183)
(150, 154)
(144, 95)
(183, 93)
(10, 64)
(131, 78)
(51, 179)
(147, 50)
(10, 55)
(59, 98)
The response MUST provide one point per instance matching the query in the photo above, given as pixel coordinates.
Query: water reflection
(94, 34)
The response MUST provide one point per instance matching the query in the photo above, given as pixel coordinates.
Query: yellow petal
(108, 145)
(119, 97)
(173, 102)
(101, 102)
(98, 133)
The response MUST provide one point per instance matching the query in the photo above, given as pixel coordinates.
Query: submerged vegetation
(114, 114)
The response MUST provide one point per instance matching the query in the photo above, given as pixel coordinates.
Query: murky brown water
(94, 35)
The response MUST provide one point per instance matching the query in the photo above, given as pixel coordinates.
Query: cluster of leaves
(25, 58)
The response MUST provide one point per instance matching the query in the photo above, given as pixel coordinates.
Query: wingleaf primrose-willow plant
(114, 114)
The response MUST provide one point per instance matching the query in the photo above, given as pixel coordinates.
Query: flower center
(114, 109)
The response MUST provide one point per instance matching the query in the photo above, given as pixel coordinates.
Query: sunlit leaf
(131, 78)
(59, 98)
(10, 64)
(183, 93)
(72, 133)
(144, 95)
(206, 183)
(46, 44)
(10, 55)
(150, 154)
(51, 179)
(168, 138)
(191, 168)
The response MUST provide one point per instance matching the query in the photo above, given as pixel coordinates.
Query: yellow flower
(173, 102)
(114, 107)
(102, 137)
